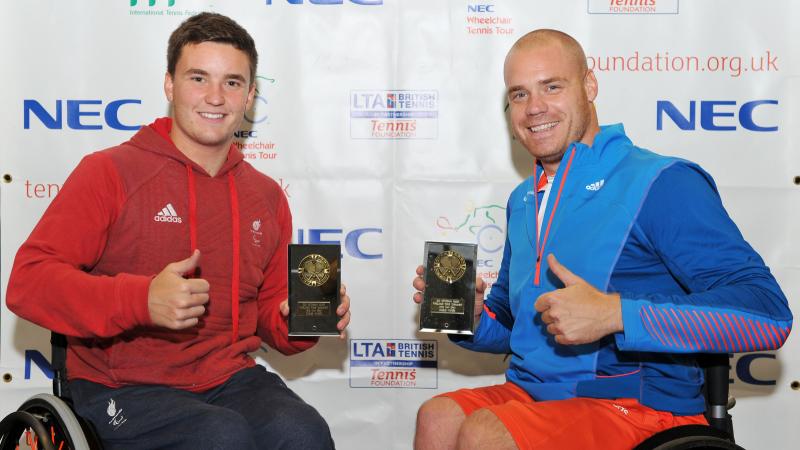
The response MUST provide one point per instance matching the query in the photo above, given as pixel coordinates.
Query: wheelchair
(47, 421)
(718, 434)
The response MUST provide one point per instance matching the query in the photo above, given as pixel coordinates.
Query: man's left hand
(578, 313)
(342, 311)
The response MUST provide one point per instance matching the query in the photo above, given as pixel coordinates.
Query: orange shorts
(576, 423)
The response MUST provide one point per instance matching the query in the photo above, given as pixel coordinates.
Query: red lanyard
(540, 247)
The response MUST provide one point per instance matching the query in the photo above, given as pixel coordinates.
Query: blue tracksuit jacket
(653, 229)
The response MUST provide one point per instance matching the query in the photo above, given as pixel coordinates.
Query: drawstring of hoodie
(235, 270)
(235, 235)
(192, 209)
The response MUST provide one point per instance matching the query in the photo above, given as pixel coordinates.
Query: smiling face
(210, 92)
(550, 96)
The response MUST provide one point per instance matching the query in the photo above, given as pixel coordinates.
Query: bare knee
(481, 430)
(438, 422)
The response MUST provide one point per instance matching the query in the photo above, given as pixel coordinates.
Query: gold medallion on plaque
(314, 270)
(449, 266)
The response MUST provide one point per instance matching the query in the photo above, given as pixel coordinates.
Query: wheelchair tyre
(699, 443)
(61, 423)
(21, 423)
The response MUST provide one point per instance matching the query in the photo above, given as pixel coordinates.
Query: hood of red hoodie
(155, 138)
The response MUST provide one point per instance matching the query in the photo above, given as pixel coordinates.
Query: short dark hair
(211, 27)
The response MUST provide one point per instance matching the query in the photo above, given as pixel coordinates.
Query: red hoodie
(124, 214)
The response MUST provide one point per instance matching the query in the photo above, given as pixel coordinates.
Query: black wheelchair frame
(48, 422)
(718, 434)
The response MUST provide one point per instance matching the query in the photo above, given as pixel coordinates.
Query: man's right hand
(480, 288)
(176, 302)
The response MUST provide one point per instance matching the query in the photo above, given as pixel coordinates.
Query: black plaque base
(314, 281)
(448, 304)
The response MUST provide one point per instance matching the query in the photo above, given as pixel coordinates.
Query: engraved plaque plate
(314, 280)
(448, 304)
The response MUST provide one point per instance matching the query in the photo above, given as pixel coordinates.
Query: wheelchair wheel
(58, 427)
(22, 430)
(699, 443)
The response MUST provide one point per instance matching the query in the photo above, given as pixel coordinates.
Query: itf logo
(633, 6)
(157, 8)
(394, 114)
(258, 113)
(484, 225)
(399, 363)
(248, 140)
(170, 3)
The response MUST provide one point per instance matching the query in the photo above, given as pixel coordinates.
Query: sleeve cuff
(132, 295)
(633, 332)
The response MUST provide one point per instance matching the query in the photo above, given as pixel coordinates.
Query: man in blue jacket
(619, 265)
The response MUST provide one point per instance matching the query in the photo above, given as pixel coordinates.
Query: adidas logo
(167, 214)
(596, 185)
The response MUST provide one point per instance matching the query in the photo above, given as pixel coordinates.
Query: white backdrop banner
(384, 122)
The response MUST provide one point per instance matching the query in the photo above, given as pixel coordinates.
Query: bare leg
(438, 422)
(482, 430)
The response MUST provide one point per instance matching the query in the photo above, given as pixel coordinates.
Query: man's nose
(214, 95)
(535, 105)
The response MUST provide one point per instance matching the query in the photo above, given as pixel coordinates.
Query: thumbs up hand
(578, 313)
(175, 302)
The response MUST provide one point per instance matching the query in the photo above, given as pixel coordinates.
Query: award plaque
(448, 303)
(314, 282)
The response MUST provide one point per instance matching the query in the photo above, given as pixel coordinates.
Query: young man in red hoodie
(163, 260)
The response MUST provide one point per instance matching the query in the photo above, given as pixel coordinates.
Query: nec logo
(79, 114)
(332, 2)
(480, 8)
(244, 134)
(715, 115)
(744, 370)
(352, 239)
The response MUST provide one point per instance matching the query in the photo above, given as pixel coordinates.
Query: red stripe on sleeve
(741, 324)
(700, 319)
(778, 332)
(733, 331)
(784, 334)
(666, 314)
(651, 329)
(489, 312)
(687, 317)
(665, 329)
(691, 328)
(773, 336)
(728, 344)
(759, 334)
(683, 329)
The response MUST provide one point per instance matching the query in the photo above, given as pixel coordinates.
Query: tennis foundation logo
(395, 363)
(394, 114)
(633, 6)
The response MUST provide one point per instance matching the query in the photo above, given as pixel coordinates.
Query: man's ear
(168, 85)
(251, 94)
(590, 85)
